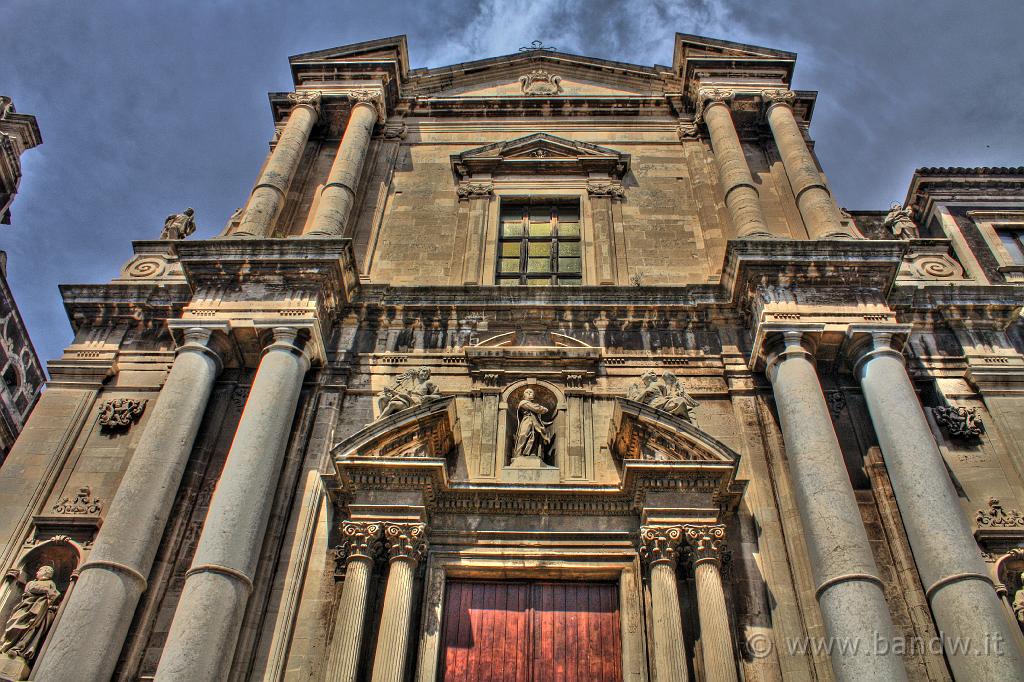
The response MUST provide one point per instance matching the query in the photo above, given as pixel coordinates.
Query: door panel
(531, 632)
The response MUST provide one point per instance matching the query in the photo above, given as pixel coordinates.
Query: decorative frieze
(660, 544)
(996, 516)
(959, 422)
(405, 541)
(121, 413)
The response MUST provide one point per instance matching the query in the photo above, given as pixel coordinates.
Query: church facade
(538, 367)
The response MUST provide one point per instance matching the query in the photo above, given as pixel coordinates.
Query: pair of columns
(96, 618)
(405, 544)
(817, 207)
(660, 547)
(850, 594)
(338, 195)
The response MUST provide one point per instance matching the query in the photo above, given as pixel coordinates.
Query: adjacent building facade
(531, 368)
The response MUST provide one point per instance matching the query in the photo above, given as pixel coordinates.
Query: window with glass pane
(539, 243)
(1013, 242)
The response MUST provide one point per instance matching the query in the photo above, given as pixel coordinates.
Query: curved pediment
(639, 432)
(540, 154)
(429, 431)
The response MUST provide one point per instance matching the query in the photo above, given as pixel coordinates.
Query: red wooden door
(531, 632)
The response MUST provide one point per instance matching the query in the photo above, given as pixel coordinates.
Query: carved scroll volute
(406, 541)
(309, 98)
(706, 542)
(362, 540)
(660, 544)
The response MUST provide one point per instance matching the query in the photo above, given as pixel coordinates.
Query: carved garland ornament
(121, 413)
(540, 83)
(406, 541)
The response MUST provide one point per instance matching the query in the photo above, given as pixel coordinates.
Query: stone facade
(550, 322)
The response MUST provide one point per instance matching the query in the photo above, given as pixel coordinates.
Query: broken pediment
(639, 432)
(540, 153)
(429, 431)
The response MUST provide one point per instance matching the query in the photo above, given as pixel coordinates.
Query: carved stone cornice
(660, 544)
(362, 540)
(309, 98)
(780, 96)
(606, 188)
(706, 542)
(406, 541)
(475, 190)
(372, 96)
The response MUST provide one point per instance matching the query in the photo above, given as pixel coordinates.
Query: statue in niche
(30, 621)
(410, 389)
(179, 225)
(666, 394)
(1018, 606)
(901, 221)
(534, 436)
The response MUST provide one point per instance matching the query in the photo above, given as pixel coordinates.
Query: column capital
(710, 95)
(606, 188)
(362, 540)
(405, 541)
(308, 98)
(374, 97)
(875, 343)
(205, 338)
(779, 96)
(660, 544)
(290, 339)
(786, 344)
(706, 542)
(475, 190)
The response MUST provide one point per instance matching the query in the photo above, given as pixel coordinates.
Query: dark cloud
(146, 108)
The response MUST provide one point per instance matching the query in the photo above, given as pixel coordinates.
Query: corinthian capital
(705, 95)
(468, 190)
(706, 542)
(372, 96)
(780, 96)
(406, 541)
(605, 188)
(362, 539)
(660, 544)
(310, 98)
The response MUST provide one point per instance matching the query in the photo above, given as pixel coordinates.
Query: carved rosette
(309, 98)
(475, 190)
(362, 540)
(606, 188)
(706, 542)
(781, 96)
(660, 544)
(121, 413)
(406, 541)
(373, 97)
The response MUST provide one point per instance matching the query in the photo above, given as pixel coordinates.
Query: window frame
(992, 223)
(506, 203)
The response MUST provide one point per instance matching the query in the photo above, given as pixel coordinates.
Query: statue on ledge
(31, 619)
(901, 221)
(179, 225)
(534, 435)
(410, 389)
(666, 394)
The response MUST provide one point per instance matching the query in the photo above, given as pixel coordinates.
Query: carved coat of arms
(120, 413)
(540, 82)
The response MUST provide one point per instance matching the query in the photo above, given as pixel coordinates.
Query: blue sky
(148, 107)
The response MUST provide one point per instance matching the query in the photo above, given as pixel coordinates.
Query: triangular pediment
(639, 432)
(691, 46)
(540, 153)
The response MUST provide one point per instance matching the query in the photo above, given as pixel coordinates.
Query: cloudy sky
(148, 107)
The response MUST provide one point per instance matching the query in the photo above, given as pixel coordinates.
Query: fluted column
(206, 624)
(478, 194)
(98, 612)
(741, 196)
(817, 207)
(660, 550)
(362, 543)
(339, 194)
(602, 193)
(959, 590)
(406, 545)
(849, 593)
(706, 543)
(268, 195)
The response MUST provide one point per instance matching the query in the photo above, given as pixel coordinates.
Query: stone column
(660, 550)
(268, 195)
(817, 207)
(849, 593)
(95, 620)
(715, 634)
(956, 582)
(478, 194)
(406, 546)
(362, 543)
(339, 194)
(602, 194)
(741, 196)
(206, 624)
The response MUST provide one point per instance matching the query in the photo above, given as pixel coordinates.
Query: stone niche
(522, 429)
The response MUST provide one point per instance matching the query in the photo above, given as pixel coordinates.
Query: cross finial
(537, 45)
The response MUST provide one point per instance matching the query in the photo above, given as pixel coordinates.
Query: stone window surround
(989, 222)
(620, 567)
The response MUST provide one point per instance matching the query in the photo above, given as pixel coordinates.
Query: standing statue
(179, 225)
(666, 394)
(410, 389)
(1018, 606)
(534, 436)
(901, 221)
(27, 626)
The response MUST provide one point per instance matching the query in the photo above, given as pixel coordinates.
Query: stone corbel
(372, 96)
(475, 190)
(606, 188)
